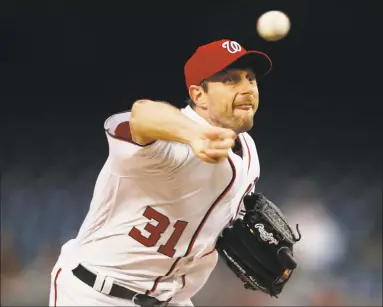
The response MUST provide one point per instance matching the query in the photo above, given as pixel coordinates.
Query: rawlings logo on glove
(265, 236)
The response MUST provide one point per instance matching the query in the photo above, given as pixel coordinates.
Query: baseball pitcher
(176, 192)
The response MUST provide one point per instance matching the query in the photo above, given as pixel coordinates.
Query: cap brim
(258, 61)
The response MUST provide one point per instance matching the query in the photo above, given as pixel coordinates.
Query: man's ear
(196, 93)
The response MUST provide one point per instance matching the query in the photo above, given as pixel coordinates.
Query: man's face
(232, 99)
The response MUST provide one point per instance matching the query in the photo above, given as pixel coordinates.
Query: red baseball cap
(211, 58)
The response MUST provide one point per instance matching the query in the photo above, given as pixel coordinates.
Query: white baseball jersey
(157, 211)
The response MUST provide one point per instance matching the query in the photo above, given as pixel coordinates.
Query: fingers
(228, 133)
(215, 144)
(221, 144)
(215, 133)
(212, 155)
(218, 150)
(208, 159)
(216, 153)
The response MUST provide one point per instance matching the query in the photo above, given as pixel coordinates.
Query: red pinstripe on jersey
(55, 285)
(248, 154)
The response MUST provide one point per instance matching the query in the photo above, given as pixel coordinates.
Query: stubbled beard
(238, 126)
(244, 127)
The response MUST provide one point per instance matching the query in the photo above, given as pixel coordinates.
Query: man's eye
(229, 79)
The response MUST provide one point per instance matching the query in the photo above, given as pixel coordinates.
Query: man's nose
(248, 88)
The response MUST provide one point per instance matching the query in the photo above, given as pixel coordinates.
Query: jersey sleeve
(127, 155)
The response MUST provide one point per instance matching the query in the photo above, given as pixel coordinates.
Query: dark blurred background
(66, 66)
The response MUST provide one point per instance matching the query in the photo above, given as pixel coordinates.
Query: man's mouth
(244, 107)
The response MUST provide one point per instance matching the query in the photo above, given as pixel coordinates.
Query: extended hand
(213, 144)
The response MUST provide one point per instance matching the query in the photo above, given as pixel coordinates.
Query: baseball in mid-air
(273, 25)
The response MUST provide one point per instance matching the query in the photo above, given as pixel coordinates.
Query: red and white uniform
(155, 215)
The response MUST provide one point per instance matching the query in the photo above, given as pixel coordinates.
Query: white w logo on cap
(232, 46)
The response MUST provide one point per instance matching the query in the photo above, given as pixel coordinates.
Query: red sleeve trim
(123, 133)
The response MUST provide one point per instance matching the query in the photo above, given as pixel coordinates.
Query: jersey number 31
(156, 232)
